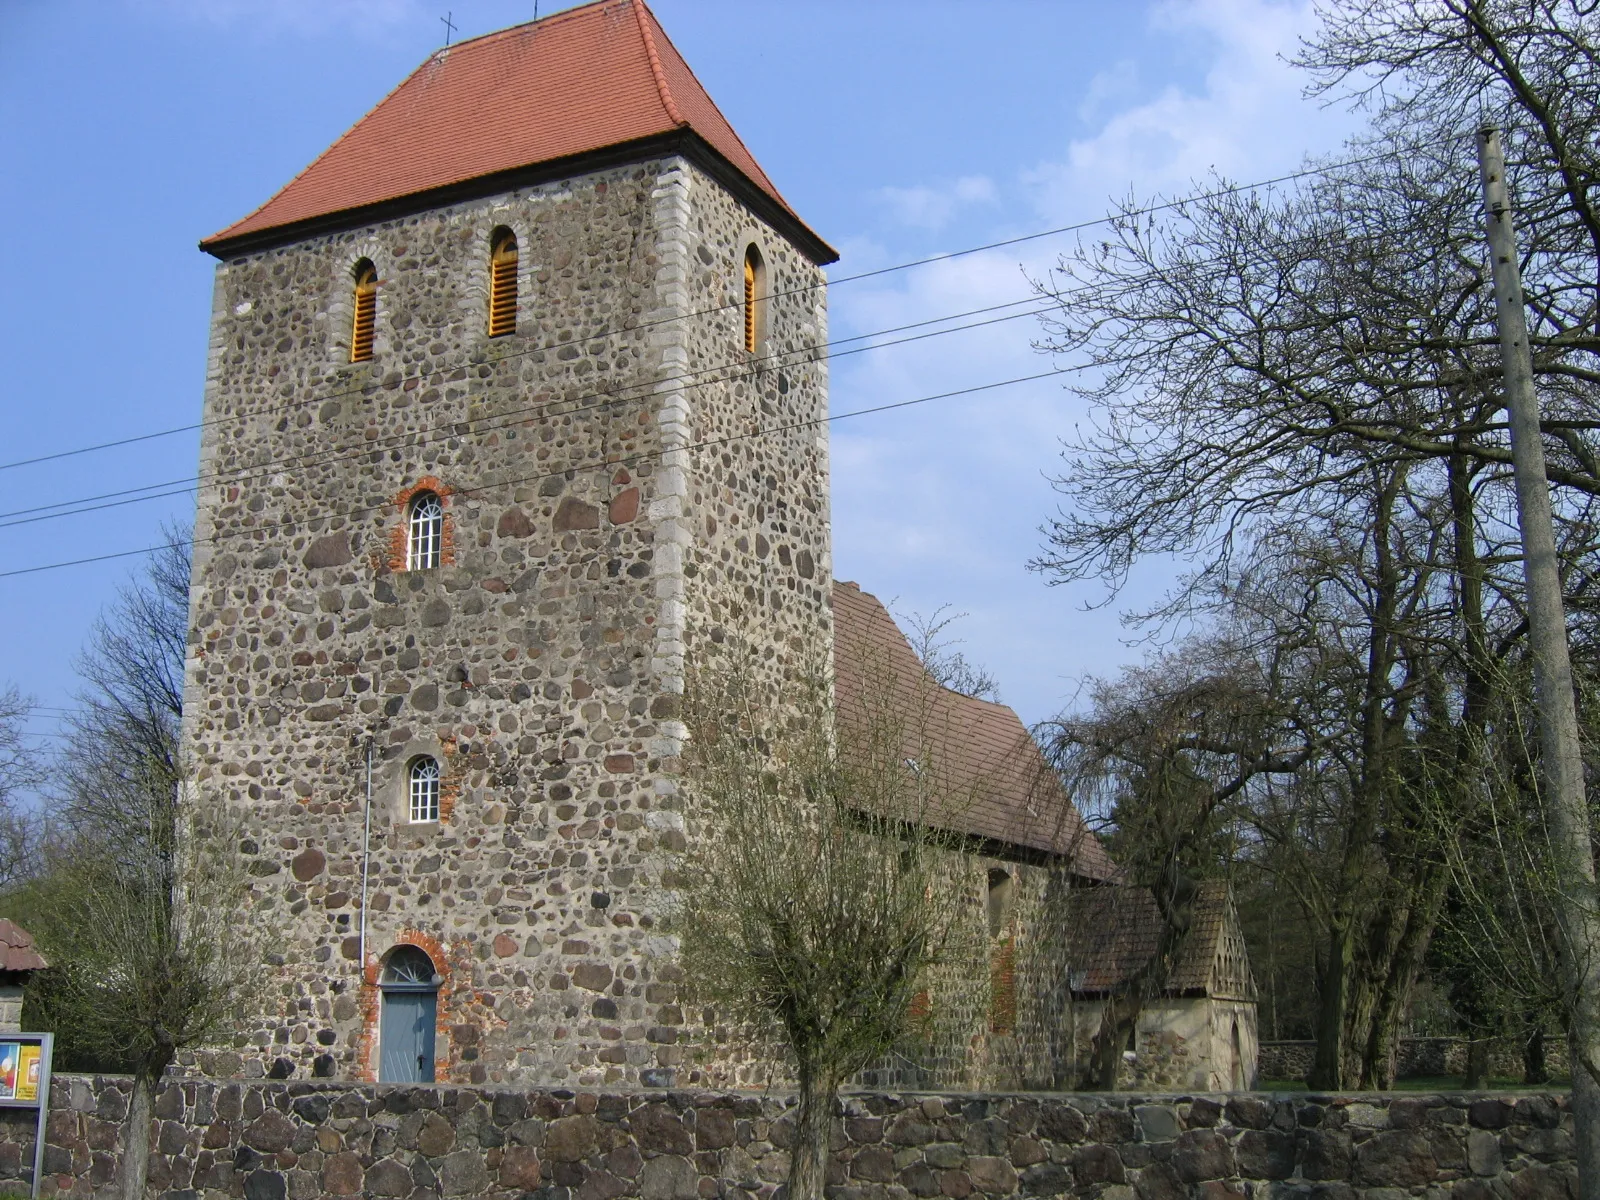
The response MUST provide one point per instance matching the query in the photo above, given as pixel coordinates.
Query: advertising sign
(25, 1083)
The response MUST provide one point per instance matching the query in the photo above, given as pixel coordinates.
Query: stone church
(514, 395)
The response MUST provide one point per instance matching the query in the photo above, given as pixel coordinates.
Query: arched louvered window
(503, 283)
(424, 532)
(423, 789)
(366, 314)
(755, 283)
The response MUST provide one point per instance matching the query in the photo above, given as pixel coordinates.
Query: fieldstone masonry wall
(271, 1141)
(612, 501)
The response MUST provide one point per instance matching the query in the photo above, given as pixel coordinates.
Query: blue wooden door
(405, 1037)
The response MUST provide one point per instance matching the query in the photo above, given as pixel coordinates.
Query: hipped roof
(603, 77)
(1113, 932)
(1005, 792)
(17, 952)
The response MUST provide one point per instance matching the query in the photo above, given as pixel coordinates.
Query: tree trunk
(1332, 1068)
(808, 1161)
(1477, 1064)
(136, 1141)
(1118, 1020)
(1327, 1070)
(1534, 1070)
(1406, 965)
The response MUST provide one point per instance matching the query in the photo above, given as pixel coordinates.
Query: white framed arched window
(422, 780)
(424, 532)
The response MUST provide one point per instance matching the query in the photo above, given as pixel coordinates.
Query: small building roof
(1113, 932)
(1011, 796)
(555, 93)
(16, 949)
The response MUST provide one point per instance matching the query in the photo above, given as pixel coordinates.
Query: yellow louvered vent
(503, 285)
(366, 312)
(750, 267)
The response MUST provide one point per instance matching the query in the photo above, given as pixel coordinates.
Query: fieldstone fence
(268, 1140)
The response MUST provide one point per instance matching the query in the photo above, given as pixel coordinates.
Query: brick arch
(475, 282)
(398, 531)
(340, 307)
(444, 1050)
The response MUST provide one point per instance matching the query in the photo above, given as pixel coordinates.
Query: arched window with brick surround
(422, 790)
(502, 283)
(755, 292)
(366, 311)
(424, 532)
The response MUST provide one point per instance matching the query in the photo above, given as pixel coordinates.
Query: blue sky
(129, 129)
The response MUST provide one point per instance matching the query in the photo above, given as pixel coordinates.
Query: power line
(608, 465)
(1057, 231)
(446, 430)
(1041, 303)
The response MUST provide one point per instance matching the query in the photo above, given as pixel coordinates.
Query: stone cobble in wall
(305, 1139)
(541, 661)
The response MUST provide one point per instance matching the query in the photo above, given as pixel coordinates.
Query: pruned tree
(133, 910)
(817, 889)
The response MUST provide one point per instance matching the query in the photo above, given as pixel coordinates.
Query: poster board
(25, 1083)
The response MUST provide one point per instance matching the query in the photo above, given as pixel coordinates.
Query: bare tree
(1164, 756)
(817, 889)
(1532, 65)
(133, 911)
(938, 652)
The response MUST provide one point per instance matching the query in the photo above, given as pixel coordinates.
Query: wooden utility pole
(1565, 806)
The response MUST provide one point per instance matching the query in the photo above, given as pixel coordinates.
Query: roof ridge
(433, 56)
(640, 13)
(524, 26)
(710, 99)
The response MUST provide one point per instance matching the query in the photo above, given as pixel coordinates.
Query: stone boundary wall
(277, 1140)
(1291, 1060)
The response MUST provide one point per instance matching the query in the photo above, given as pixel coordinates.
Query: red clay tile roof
(16, 949)
(1113, 933)
(595, 77)
(986, 754)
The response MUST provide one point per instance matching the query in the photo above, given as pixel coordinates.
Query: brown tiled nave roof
(987, 758)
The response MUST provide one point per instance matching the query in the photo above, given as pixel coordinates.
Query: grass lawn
(1423, 1083)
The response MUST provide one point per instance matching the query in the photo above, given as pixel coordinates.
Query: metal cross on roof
(449, 26)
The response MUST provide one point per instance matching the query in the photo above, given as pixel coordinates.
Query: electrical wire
(188, 484)
(608, 465)
(1075, 227)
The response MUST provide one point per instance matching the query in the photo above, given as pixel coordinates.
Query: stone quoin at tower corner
(457, 509)
(516, 411)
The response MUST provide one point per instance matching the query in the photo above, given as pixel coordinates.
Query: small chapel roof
(1007, 793)
(1113, 932)
(596, 84)
(17, 952)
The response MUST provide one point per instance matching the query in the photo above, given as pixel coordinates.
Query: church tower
(515, 395)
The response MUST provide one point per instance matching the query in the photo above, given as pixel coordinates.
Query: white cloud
(933, 207)
(1247, 118)
(942, 503)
